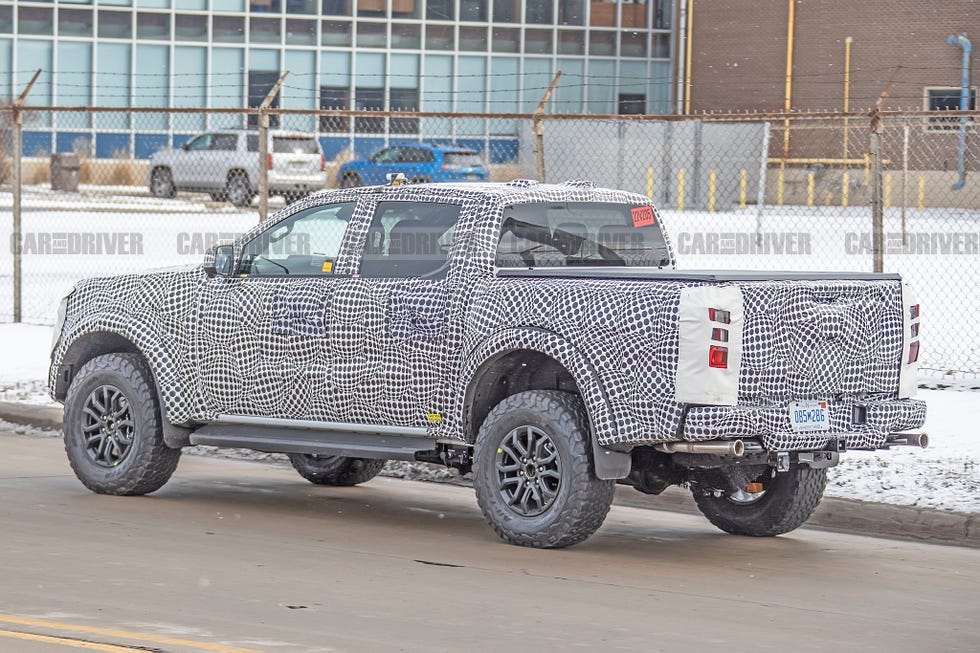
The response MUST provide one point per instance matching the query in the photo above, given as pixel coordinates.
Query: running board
(280, 439)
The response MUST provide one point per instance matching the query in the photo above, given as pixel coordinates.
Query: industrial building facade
(431, 55)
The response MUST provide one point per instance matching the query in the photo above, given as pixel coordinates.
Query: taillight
(914, 312)
(269, 162)
(323, 163)
(915, 330)
(718, 357)
(913, 351)
(719, 335)
(718, 315)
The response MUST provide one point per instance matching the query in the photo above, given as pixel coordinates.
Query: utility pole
(264, 148)
(538, 127)
(18, 127)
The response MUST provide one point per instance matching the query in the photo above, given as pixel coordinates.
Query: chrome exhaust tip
(920, 440)
(714, 447)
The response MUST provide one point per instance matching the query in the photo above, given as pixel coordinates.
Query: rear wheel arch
(554, 364)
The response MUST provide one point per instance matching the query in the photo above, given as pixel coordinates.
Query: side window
(252, 142)
(416, 155)
(305, 244)
(387, 156)
(409, 239)
(225, 142)
(202, 142)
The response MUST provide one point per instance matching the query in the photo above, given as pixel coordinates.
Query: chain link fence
(121, 190)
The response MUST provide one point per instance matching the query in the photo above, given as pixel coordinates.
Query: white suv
(225, 164)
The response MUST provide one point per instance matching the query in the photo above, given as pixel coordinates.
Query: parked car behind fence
(420, 163)
(225, 164)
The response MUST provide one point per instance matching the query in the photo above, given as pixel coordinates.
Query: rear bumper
(863, 424)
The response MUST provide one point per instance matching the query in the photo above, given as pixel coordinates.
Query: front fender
(609, 464)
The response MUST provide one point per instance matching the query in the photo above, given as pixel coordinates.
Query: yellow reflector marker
(434, 417)
(327, 266)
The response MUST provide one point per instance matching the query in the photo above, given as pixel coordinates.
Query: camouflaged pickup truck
(537, 335)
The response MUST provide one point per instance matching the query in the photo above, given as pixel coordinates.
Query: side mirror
(220, 261)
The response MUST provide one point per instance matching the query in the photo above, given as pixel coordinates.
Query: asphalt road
(234, 556)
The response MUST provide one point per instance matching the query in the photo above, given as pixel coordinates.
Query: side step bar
(273, 438)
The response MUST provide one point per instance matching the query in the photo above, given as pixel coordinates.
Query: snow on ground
(944, 476)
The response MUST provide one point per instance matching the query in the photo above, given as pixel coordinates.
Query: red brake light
(913, 351)
(323, 163)
(915, 330)
(269, 162)
(719, 335)
(718, 357)
(718, 315)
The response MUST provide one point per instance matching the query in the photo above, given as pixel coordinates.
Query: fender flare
(157, 358)
(609, 463)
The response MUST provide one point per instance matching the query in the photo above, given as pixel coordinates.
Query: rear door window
(409, 239)
(463, 159)
(581, 234)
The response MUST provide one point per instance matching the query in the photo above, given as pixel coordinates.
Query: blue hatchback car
(420, 163)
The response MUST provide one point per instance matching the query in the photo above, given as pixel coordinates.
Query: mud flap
(610, 465)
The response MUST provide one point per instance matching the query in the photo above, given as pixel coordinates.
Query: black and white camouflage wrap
(339, 348)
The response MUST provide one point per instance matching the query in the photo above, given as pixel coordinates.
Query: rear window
(463, 159)
(295, 145)
(581, 234)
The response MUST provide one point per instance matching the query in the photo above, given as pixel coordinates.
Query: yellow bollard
(922, 192)
(743, 184)
(809, 189)
(712, 186)
(845, 189)
(650, 183)
(680, 189)
(779, 187)
(888, 189)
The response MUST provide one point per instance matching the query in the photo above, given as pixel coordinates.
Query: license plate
(809, 416)
(298, 165)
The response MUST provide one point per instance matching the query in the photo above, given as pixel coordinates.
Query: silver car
(225, 164)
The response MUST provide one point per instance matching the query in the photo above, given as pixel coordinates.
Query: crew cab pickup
(535, 334)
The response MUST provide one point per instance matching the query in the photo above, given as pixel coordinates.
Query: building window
(506, 39)
(265, 6)
(115, 25)
(947, 98)
(372, 35)
(538, 13)
(228, 29)
(300, 32)
(336, 7)
(632, 104)
(571, 12)
(334, 97)
(335, 32)
(404, 99)
(506, 11)
(264, 30)
(35, 20)
(473, 39)
(405, 36)
(77, 22)
(369, 99)
(6, 20)
(441, 9)
(439, 37)
(191, 27)
(260, 82)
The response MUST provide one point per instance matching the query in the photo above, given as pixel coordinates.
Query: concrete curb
(844, 515)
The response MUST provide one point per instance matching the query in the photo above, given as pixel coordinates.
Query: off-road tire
(162, 184)
(787, 502)
(148, 462)
(238, 191)
(351, 180)
(582, 500)
(335, 470)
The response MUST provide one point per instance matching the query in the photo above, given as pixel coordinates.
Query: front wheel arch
(99, 343)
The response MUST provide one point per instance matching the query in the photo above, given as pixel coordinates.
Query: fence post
(18, 128)
(877, 208)
(263, 164)
(264, 148)
(537, 126)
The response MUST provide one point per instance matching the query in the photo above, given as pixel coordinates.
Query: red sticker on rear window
(642, 216)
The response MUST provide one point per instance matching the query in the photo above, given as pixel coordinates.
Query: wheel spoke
(107, 441)
(508, 469)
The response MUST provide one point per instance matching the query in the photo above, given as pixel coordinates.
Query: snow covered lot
(66, 237)
(944, 476)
